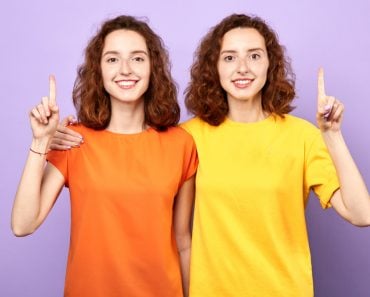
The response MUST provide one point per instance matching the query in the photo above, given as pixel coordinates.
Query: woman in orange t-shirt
(132, 180)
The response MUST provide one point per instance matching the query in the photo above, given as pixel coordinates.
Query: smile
(242, 83)
(126, 84)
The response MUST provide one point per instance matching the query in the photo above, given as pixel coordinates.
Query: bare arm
(40, 184)
(352, 200)
(182, 225)
(37, 191)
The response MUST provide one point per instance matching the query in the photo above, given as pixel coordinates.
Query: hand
(65, 138)
(44, 117)
(329, 110)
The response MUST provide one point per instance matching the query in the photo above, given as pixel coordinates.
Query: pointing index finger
(52, 90)
(321, 87)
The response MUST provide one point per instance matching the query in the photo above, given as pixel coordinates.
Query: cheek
(148, 71)
(224, 72)
(105, 73)
(263, 70)
(266, 67)
(106, 78)
(220, 70)
(222, 78)
(142, 70)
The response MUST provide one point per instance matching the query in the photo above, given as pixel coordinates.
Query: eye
(255, 56)
(229, 58)
(138, 59)
(112, 60)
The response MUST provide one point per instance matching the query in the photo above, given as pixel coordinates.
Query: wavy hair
(205, 97)
(92, 101)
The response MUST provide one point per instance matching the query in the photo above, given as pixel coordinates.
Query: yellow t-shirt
(252, 185)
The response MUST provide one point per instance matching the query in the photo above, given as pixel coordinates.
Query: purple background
(42, 37)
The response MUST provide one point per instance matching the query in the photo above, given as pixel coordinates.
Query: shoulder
(85, 132)
(296, 123)
(80, 128)
(193, 125)
(300, 130)
(178, 134)
(175, 141)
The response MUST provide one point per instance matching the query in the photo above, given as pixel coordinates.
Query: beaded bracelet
(41, 154)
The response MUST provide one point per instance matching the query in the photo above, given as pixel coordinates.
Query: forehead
(124, 40)
(242, 37)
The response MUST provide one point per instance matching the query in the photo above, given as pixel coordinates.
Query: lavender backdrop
(42, 37)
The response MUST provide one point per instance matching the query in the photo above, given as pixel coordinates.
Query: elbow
(361, 222)
(23, 225)
(21, 231)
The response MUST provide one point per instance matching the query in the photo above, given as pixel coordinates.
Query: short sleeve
(60, 160)
(320, 173)
(190, 160)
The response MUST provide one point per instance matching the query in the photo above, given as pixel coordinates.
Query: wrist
(334, 142)
(40, 145)
(330, 135)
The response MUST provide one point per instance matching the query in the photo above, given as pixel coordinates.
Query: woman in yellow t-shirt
(131, 182)
(257, 165)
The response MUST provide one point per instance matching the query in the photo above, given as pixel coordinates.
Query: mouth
(127, 83)
(242, 83)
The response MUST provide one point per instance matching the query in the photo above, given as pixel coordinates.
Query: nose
(125, 68)
(243, 66)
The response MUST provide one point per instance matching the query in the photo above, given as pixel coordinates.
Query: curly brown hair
(205, 97)
(92, 101)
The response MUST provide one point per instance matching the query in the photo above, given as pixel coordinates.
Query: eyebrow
(234, 51)
(132, 53)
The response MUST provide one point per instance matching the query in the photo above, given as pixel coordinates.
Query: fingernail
(327, 107)
(326, 115)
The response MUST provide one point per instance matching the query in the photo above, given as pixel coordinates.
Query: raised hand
(45, 116)
(329, 109)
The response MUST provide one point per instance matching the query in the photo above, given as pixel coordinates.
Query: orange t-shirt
(122, 189)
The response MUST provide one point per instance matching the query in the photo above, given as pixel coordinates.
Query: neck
(246, 111)
(127, 118)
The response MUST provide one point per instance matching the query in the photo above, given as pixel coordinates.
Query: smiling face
(243, 64)
(125, 66)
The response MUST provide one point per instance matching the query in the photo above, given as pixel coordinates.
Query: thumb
(65, 122)
(54, 109)
(71, 119)
(68, 120)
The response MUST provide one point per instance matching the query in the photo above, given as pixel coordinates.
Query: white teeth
(126, 83)
(242, 81)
